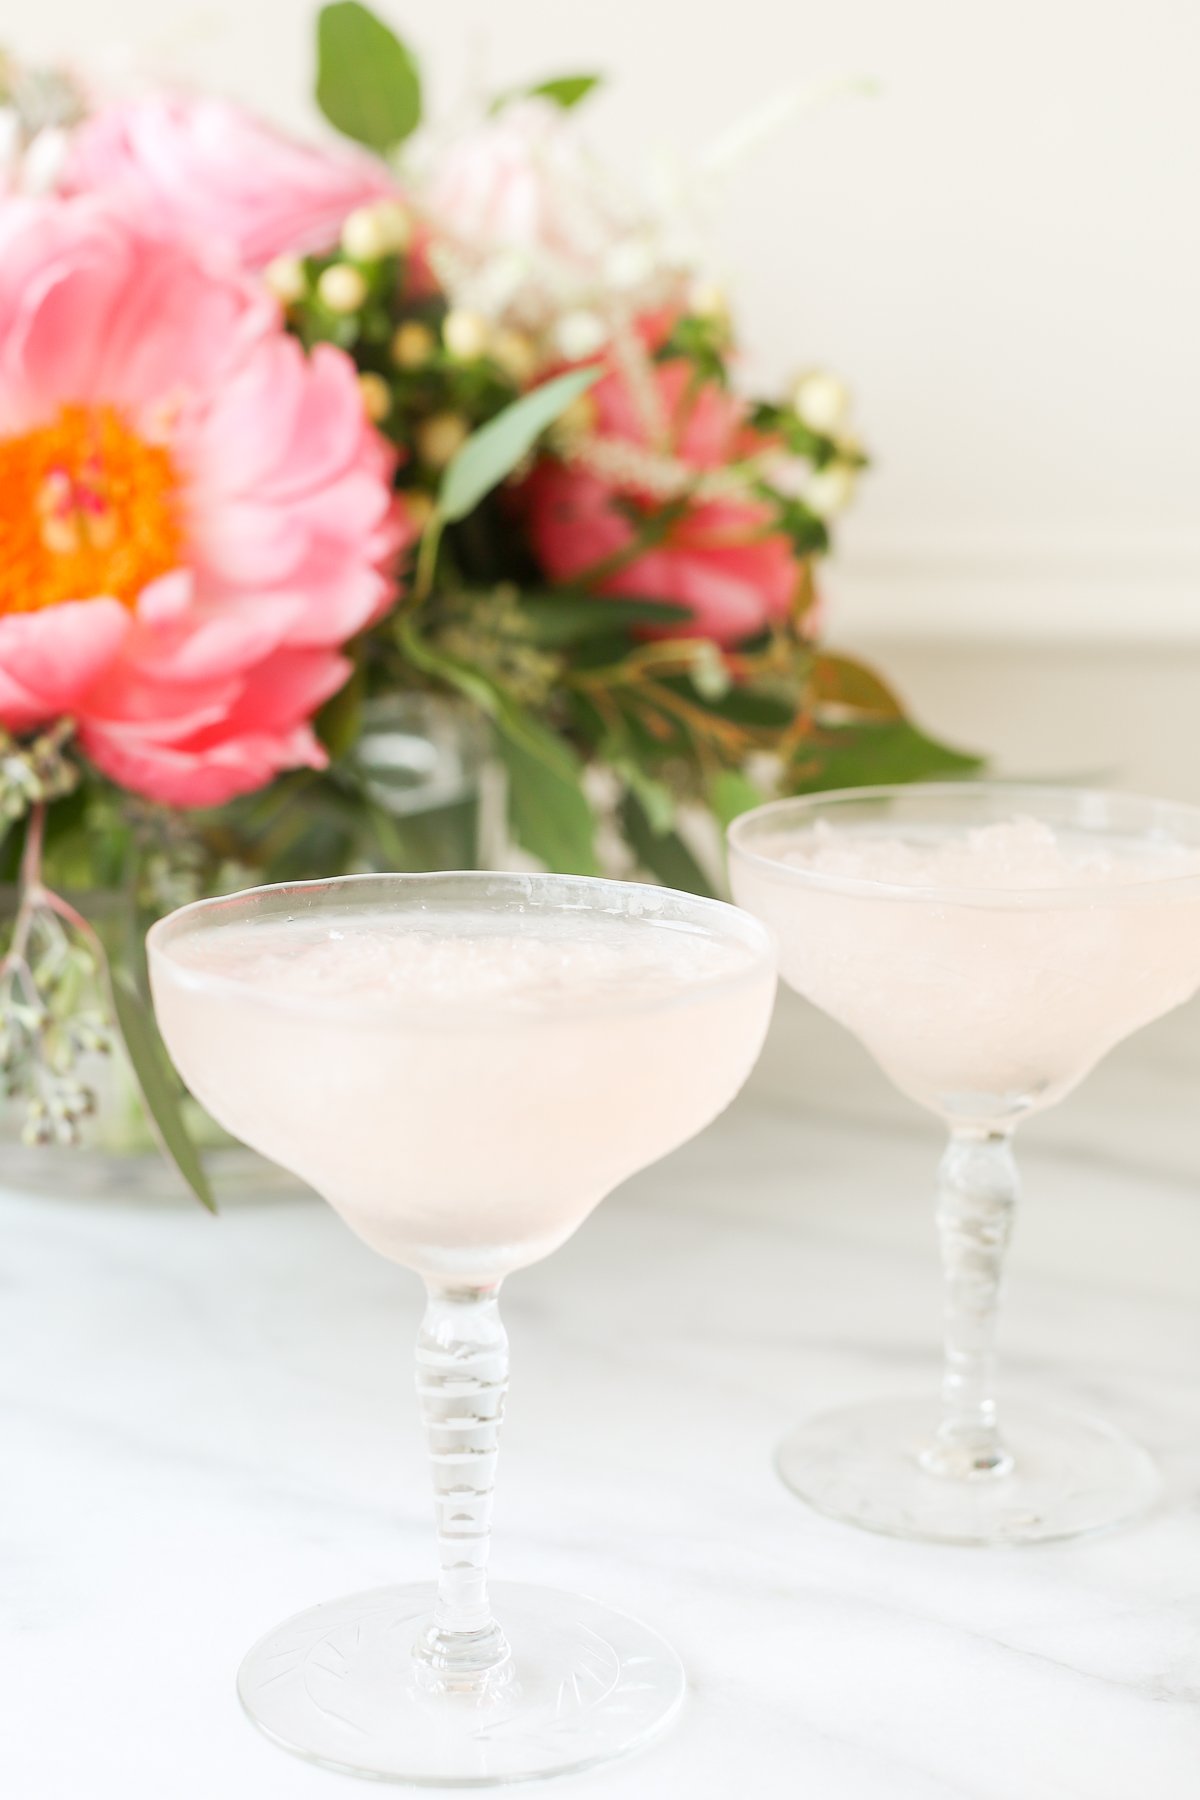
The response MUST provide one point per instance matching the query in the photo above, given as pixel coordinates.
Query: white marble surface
(206, 1426)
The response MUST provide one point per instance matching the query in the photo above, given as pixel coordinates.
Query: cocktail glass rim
(452, 1014)
(1032, 795)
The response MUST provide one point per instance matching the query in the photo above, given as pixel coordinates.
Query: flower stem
(32, 894)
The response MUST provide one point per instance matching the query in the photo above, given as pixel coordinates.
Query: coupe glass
(463, 1065)
(985, 999)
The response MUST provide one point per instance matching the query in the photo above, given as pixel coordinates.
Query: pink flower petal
(50, 660)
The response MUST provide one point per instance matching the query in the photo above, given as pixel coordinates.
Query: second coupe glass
(988, 943)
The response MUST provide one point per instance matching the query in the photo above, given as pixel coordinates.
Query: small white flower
(708, 300)
(376, 396)
(630, 265)
(342, 288)
(516, 354)
(821, 401)
(579, 334)
(375, 231)
(440, 437)
(413, 345)
(465, 335)
(286, 279)
(831, 490)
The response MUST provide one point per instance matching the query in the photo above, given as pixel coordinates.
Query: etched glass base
(1070, 1474)
(339, 1684)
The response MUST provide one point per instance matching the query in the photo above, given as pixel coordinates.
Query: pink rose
(721, 558)
(194, 515)
(206, 170)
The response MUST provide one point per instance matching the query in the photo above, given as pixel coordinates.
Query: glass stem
(462, 1378)
(977, 1196)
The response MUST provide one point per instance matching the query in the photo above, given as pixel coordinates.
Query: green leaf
(562, 619)
(368, 84)
(493, 451)
(152, 1071)
(860, 756)
(732, 793)
(842, 682)
(567, 90)
(663, 853)
(547, 807)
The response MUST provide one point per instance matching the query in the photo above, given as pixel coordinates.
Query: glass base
(338, 1684)
(1069, 1474)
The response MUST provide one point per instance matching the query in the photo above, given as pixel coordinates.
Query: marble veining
(206, 1427)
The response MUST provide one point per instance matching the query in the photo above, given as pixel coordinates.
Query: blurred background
(1000, 249)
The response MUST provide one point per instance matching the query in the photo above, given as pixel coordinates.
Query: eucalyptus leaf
(368, 84)
(156, 1083)
(494, 451)
(547, 807)
(663, 853)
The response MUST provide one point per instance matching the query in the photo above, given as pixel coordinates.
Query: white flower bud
(417, 506)
(413, 345)
(465, 335)
(821, 401)
(708, 300)
(376, 396)
(578, 335)
(395, 224)
(440, 437)
(342, 288)
(375, 231)
(831, 490)
(363, 236)
(516, 354)
(286, 279)
(629, 265)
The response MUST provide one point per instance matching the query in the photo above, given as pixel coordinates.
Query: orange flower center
(86, 508)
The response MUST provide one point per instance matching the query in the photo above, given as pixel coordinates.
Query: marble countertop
(205, 1427)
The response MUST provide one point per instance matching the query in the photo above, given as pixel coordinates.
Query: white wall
(1002, 251)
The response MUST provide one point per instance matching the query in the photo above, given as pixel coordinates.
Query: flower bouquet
(287, 432)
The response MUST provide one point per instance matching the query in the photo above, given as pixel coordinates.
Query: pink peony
(194, 515)
(204, 169)
(721, 558)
